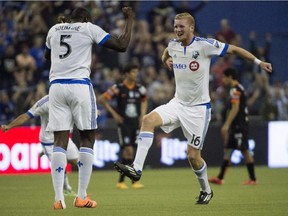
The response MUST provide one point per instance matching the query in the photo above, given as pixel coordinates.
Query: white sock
(201, 175)
(85, 163)
(58, 166)
(145, 141)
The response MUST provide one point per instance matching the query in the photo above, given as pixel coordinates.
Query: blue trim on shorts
(84, 81)
(207, 116)
(93, 107)
(208, 105)
(47, 144)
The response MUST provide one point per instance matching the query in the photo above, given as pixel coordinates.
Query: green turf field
(167, 192)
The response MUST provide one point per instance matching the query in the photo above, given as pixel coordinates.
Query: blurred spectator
(257, 94)
(219, 103)
(8, 66)
(268, 110)
(165, 9)
(6, 38)
(217, 70)
(260, 91)
(225, 33)
(279, 100)
(285, 88)
(6, 107)
(26, 63)
(21, 91)
(261, 52)
(37, 51)
(36, 22)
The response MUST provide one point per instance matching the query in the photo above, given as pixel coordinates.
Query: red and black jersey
(237, 95)
(129, 98)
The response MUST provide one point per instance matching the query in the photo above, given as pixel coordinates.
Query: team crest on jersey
(194, 66)
(195, 54)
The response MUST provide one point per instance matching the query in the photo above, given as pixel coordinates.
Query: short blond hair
(187, 16)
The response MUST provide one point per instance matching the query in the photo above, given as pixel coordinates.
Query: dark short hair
(81, 14)
(230, 72)
(130, 66)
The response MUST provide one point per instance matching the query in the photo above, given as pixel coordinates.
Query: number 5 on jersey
(66, 45)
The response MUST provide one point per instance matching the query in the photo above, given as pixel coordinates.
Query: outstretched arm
(121, 43)
(249, 56)
(17, 122)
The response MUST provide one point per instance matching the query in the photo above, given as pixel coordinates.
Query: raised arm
(121, 43)
(17, 122)
(249, 56)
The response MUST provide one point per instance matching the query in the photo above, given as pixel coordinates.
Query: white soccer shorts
(72, 102)
(194, 120)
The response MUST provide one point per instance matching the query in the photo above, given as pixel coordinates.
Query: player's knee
(191, 157)
(151, 121)
(87, 138)
(147, 121)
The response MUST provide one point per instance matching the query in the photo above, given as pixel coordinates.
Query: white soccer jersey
(70, 45)
(41, 108)
(191, 66)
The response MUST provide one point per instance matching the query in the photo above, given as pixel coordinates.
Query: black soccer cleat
(127, 170)
(204, 197)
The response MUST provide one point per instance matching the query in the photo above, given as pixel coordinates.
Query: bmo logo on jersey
(194, 66)
(180, 66)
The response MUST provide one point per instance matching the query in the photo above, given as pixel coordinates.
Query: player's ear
(192, 28)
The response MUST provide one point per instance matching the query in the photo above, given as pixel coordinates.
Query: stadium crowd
(24, 74)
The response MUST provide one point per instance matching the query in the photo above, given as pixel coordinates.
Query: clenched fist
(128, 13)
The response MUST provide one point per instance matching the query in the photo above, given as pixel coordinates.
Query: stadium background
(244, 17)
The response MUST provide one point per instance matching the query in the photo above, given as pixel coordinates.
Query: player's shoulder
(205, 40)
(141, 88)
(173, 41)
(240, 87)
(42, 101)
(41, 106)
(139, 85)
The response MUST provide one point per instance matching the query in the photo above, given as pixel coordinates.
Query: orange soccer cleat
(58, 205)
(85, 203)
(216, 180)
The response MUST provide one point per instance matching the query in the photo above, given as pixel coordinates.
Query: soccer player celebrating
(189, 56)
(71, 96)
